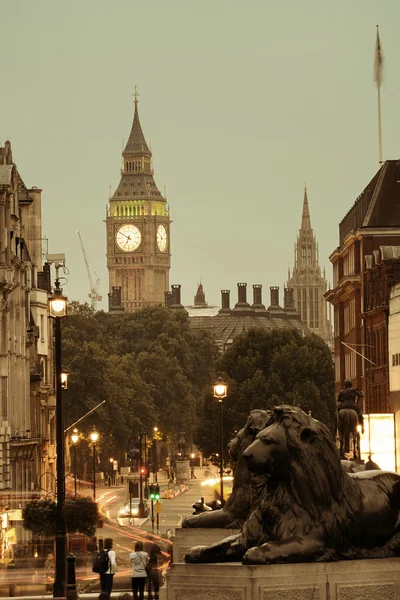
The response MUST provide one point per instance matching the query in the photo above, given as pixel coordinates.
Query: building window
(309, 257)
(336, 321)
(337, 369)
(3, 395)
(395, 360)
(42, 332)
(303, 255)
(316, 308)
(304, 312)
(311, 308)
(335, 273)
(348, 262)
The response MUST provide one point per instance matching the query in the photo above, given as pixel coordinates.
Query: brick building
(362, 279)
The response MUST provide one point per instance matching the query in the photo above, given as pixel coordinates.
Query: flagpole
(379, 126)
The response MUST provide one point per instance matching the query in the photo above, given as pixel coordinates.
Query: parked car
(126, 511)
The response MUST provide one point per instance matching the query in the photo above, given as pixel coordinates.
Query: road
(125, 535)
(31, 581)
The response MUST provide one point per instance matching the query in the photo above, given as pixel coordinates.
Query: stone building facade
(362, 281)
(27, 400)
(138, 231)
(307, 281)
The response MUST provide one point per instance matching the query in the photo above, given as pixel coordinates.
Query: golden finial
(110, 190)
(136, 96)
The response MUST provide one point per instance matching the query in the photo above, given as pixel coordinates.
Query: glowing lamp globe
(220, 389)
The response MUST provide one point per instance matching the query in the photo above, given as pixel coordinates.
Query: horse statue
(348, 426)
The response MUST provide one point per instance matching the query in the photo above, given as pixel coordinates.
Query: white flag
(378, 62)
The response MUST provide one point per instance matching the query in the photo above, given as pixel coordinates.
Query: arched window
(117, 211)
(134, 211)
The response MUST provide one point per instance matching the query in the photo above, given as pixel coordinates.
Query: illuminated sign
(378, 441)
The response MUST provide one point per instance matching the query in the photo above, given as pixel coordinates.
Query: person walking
(153, 572)
(107, 578)
(138, 560)
(49, 566)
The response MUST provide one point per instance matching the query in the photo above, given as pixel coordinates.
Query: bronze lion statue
(305, 506)
(237, 507)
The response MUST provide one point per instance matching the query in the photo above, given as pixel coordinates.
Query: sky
(242, 102)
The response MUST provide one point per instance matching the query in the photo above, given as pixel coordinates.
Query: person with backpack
(153, 572)
(138, 560)
(105, 565)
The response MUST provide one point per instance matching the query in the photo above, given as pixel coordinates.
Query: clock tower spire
(138, 225)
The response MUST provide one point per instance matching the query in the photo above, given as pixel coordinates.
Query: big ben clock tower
(138, 226)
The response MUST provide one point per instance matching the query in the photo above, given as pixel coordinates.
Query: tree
(80, 514)
(264, 368)
(149, 366)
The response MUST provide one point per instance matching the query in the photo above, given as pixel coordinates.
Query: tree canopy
(149, 366)
(264, 368)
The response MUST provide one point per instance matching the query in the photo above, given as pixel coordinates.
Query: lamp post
(141, 503)
(94, 436)
(57, 310)
(75, 439)
(111, 471)
(220, 392)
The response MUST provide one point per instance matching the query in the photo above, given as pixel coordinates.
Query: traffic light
(152, 492)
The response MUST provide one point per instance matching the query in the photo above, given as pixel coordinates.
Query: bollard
(71, 581)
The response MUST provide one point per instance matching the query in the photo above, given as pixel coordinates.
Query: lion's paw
(196, 554)
(256, 556)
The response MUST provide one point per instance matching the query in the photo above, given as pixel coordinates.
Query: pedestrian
(104, 596)
(49, 566)
(138, 560)
(153, 572)
(106, 579)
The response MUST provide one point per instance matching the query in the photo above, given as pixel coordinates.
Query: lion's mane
(317, 476)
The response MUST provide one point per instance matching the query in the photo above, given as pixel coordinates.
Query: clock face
(128, 238)
(162, 238)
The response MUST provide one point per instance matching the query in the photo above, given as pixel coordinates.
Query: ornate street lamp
(75, 440)
(64, 381)
(94, 436)
(221, 392)
(57, 305)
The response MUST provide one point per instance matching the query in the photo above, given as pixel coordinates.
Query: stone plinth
(187, 538)
(182, 471)
(348, 580)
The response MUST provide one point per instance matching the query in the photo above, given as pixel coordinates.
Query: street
(124, 535)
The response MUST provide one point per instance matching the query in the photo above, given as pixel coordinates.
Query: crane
(94, 289)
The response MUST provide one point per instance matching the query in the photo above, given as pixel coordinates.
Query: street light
(57, 305)
(75, 440)
(111, 470)
(64, 381)
(221, 392)
(94, 436)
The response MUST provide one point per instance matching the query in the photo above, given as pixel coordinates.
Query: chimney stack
(225, 301)
(274, 291)
(257, 297)
(288, 300)
(176, 296)
(242, 293)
